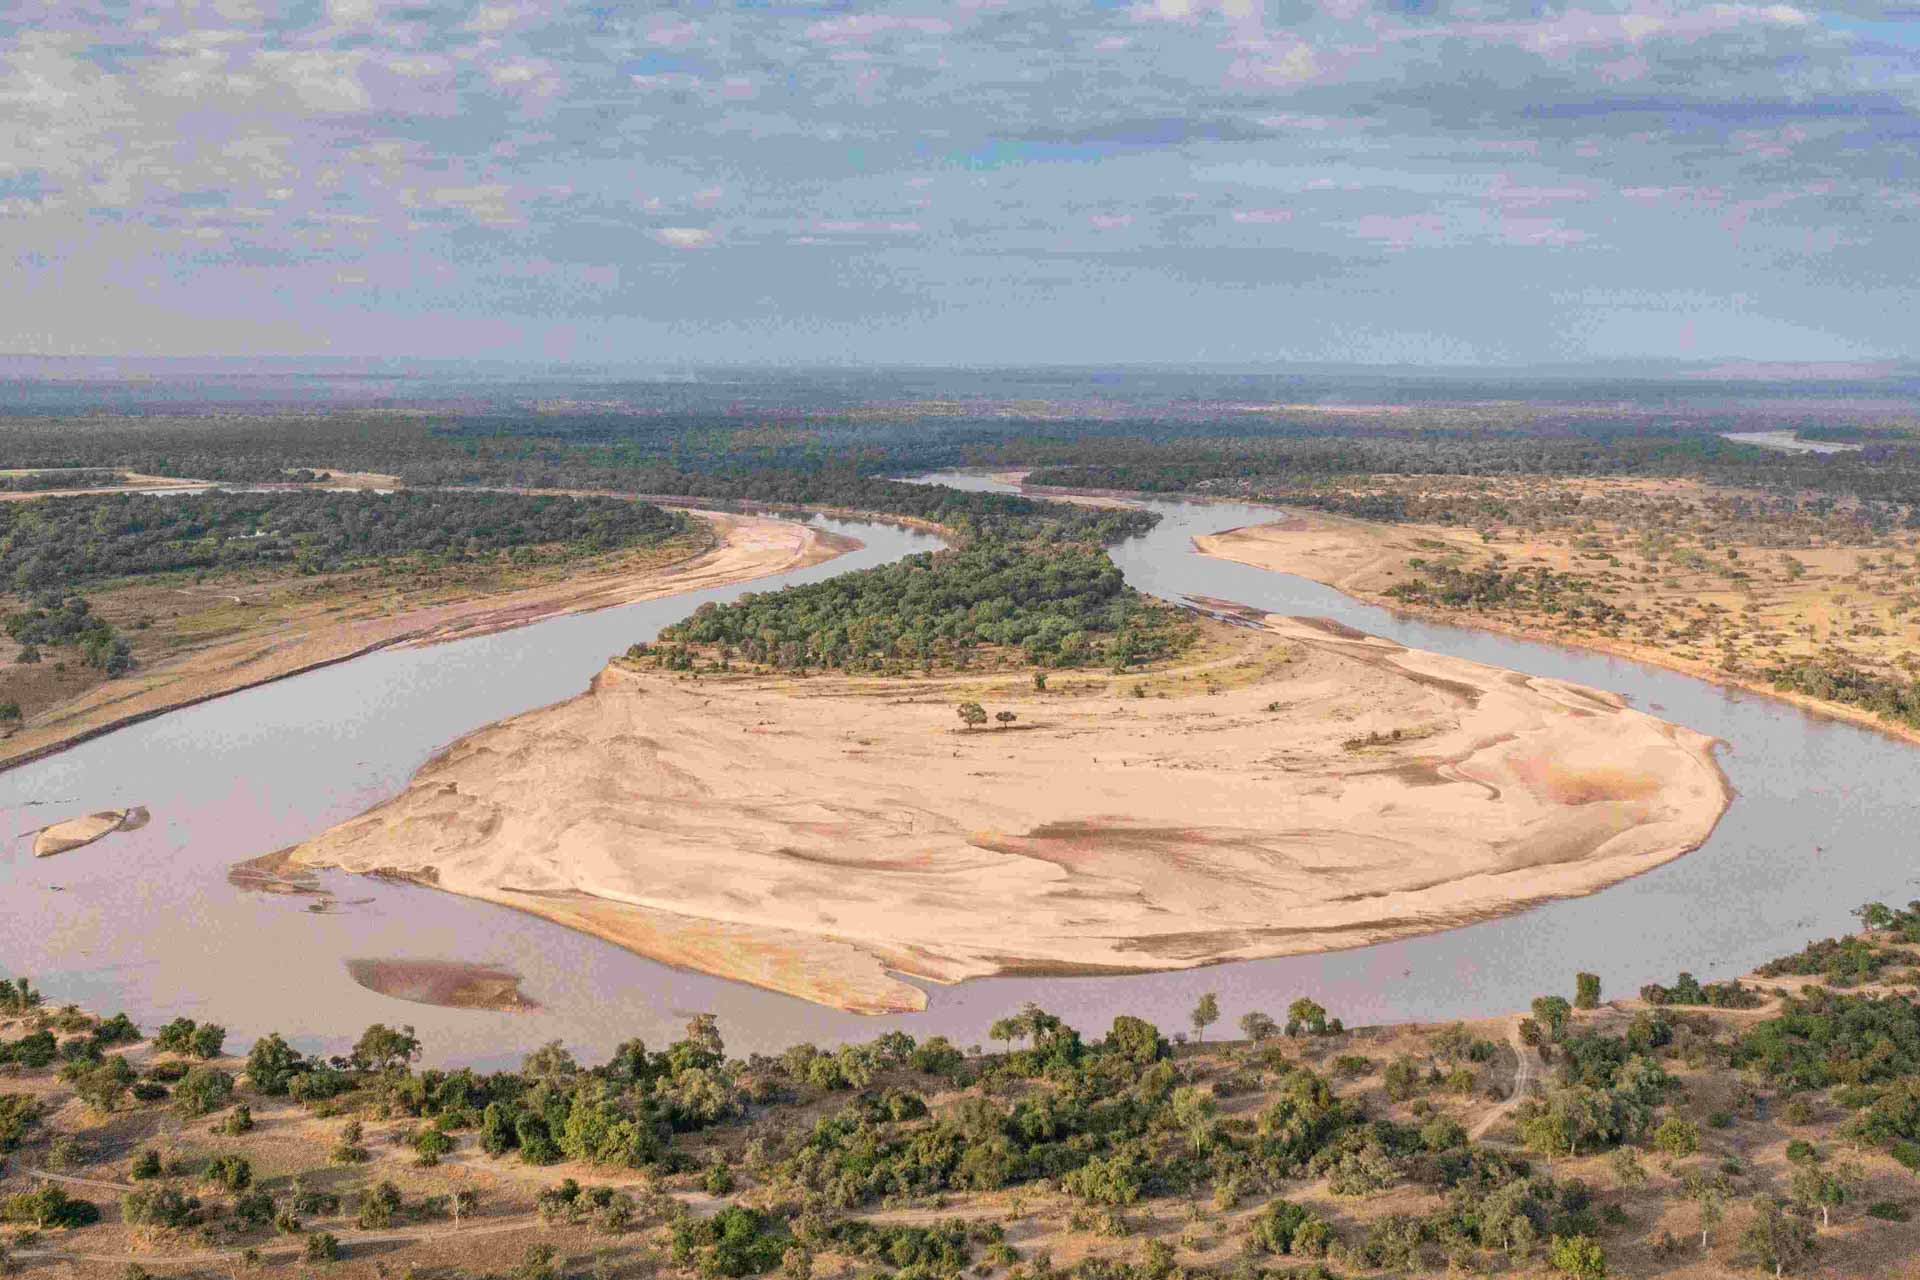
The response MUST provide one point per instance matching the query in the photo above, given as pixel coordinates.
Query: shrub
(203, 1090)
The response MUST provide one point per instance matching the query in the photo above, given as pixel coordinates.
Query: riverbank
(272, 631)
(1293, 787)
(1364, 559)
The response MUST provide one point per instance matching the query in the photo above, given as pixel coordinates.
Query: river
(146, 920)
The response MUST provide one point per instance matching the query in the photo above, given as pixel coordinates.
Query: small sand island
(1292, 785)
(76, 833)
(451, 984)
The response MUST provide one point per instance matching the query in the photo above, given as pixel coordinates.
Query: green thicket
(1065, 606)
(71, 621)
(1836, 680)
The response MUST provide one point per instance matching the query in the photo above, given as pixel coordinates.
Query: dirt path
(1522, 1083)
(348, 1238)
(294, 1249)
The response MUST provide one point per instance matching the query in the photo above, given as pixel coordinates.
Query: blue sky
(1168, 181)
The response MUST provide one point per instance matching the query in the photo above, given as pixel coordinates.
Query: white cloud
(685, 237)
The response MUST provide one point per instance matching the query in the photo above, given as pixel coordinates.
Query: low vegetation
(1766, 1141)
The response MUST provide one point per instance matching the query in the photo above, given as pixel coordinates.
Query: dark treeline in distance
(41, 481)
(60, 543)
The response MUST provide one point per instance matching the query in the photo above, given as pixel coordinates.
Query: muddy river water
(147, 921)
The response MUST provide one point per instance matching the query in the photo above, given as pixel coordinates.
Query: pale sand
(747, 547)
(821, 836)
(1364, 558)
(75, 833)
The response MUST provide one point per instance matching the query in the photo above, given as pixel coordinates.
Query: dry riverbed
(1295, 787)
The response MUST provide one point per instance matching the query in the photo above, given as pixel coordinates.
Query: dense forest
(1065, 606)
(61, 543)
(41, 481)
(843, 459)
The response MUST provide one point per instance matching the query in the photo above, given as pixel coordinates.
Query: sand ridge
(833, 837)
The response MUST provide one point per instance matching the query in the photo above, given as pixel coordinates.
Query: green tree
(1005, 718)
(1711, 1198)
(1257, 1026)
(103, 1087)
(972, 714)
(202, 1090)
(1776, 1238)
(1136, 1039)
(1677, 1137)
(1305, 1016)
(1578, 1257)
(271, 1063)
(703, 1033)
(1815, 1186)
(1205, 1013)
(1552, 1012)
(382, 1048)
(1586, 991)
(1007, 1030)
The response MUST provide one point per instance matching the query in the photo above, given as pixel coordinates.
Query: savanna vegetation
(1763, 1137)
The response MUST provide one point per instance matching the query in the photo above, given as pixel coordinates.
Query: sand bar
(832, 837)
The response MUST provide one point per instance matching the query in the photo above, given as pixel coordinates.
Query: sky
(1171, 181)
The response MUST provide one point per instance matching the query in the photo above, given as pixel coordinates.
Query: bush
(160, 1206)
(48, 1206)
(205, 1089)
(734, 1242)
(230, 1172)
(322, 1246)
(1578, 1258)
(1677, 1137)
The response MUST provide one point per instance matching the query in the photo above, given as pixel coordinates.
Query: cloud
(685, 237)
(1114, 159)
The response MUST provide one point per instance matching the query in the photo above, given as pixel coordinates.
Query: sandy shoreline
(1339, 552)
(829, 838)
(745, 547)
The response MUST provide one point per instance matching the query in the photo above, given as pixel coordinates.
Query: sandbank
(1365, 558)
(837, 838)
(76, 833)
